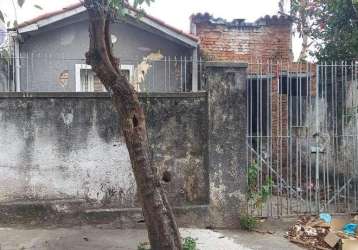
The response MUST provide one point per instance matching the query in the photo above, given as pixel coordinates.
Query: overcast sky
(173, 12)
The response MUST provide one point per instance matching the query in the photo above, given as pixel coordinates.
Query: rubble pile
(325, 233)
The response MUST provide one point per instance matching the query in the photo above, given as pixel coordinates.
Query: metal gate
(302, 138)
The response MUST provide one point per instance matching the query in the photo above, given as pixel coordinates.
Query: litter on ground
(324, 232)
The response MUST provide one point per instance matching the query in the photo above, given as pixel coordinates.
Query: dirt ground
(103, 238)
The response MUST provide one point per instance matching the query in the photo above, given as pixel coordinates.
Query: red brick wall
(225, 42)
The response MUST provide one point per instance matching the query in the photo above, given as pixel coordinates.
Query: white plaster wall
(35, 163)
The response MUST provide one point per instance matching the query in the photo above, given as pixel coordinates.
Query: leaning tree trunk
(162, 229)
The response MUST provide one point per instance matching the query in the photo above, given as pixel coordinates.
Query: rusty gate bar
(302, 138)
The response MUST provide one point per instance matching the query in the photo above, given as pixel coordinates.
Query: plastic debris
(350, 229)
(325, 217)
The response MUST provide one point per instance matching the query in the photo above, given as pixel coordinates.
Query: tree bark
(162, 228)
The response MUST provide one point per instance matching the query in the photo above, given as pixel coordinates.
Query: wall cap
(226, 65)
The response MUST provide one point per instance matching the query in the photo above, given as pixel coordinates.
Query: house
(279, 90)
(155, 56)
(52, 47)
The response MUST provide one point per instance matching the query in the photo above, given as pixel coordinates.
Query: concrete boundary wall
(60, 146)
(227, 142)
(62, 156)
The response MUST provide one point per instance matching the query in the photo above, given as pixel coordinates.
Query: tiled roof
(77, 5)
(266, 20)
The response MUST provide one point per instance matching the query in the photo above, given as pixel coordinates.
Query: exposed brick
(222, 42)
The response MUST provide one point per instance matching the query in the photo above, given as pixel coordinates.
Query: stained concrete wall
(227, 142)
(68, 146)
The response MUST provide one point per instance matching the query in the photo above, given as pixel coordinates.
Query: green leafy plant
(143, 246)
(265, 189)
(328, 28)
(189, 244)
(248, 222)
(258, 195)
(252, 177)
(4, 16)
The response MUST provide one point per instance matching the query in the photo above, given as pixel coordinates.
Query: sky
(173, 12)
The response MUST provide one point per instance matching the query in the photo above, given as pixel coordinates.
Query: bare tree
(162, 228)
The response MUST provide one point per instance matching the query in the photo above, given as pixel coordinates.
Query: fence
(7, 74)
(302, 130)
(302, 138)
(56, 72)
(170, 74)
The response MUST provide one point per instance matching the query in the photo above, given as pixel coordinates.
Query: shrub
(248, 222)
(189, 244)
(143, 246)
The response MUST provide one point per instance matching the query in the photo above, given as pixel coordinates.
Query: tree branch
(100, 57)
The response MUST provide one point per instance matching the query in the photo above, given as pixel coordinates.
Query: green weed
(248, 222)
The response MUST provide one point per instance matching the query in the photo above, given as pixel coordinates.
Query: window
(127, 70)
(294, 85)
(87, 81)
